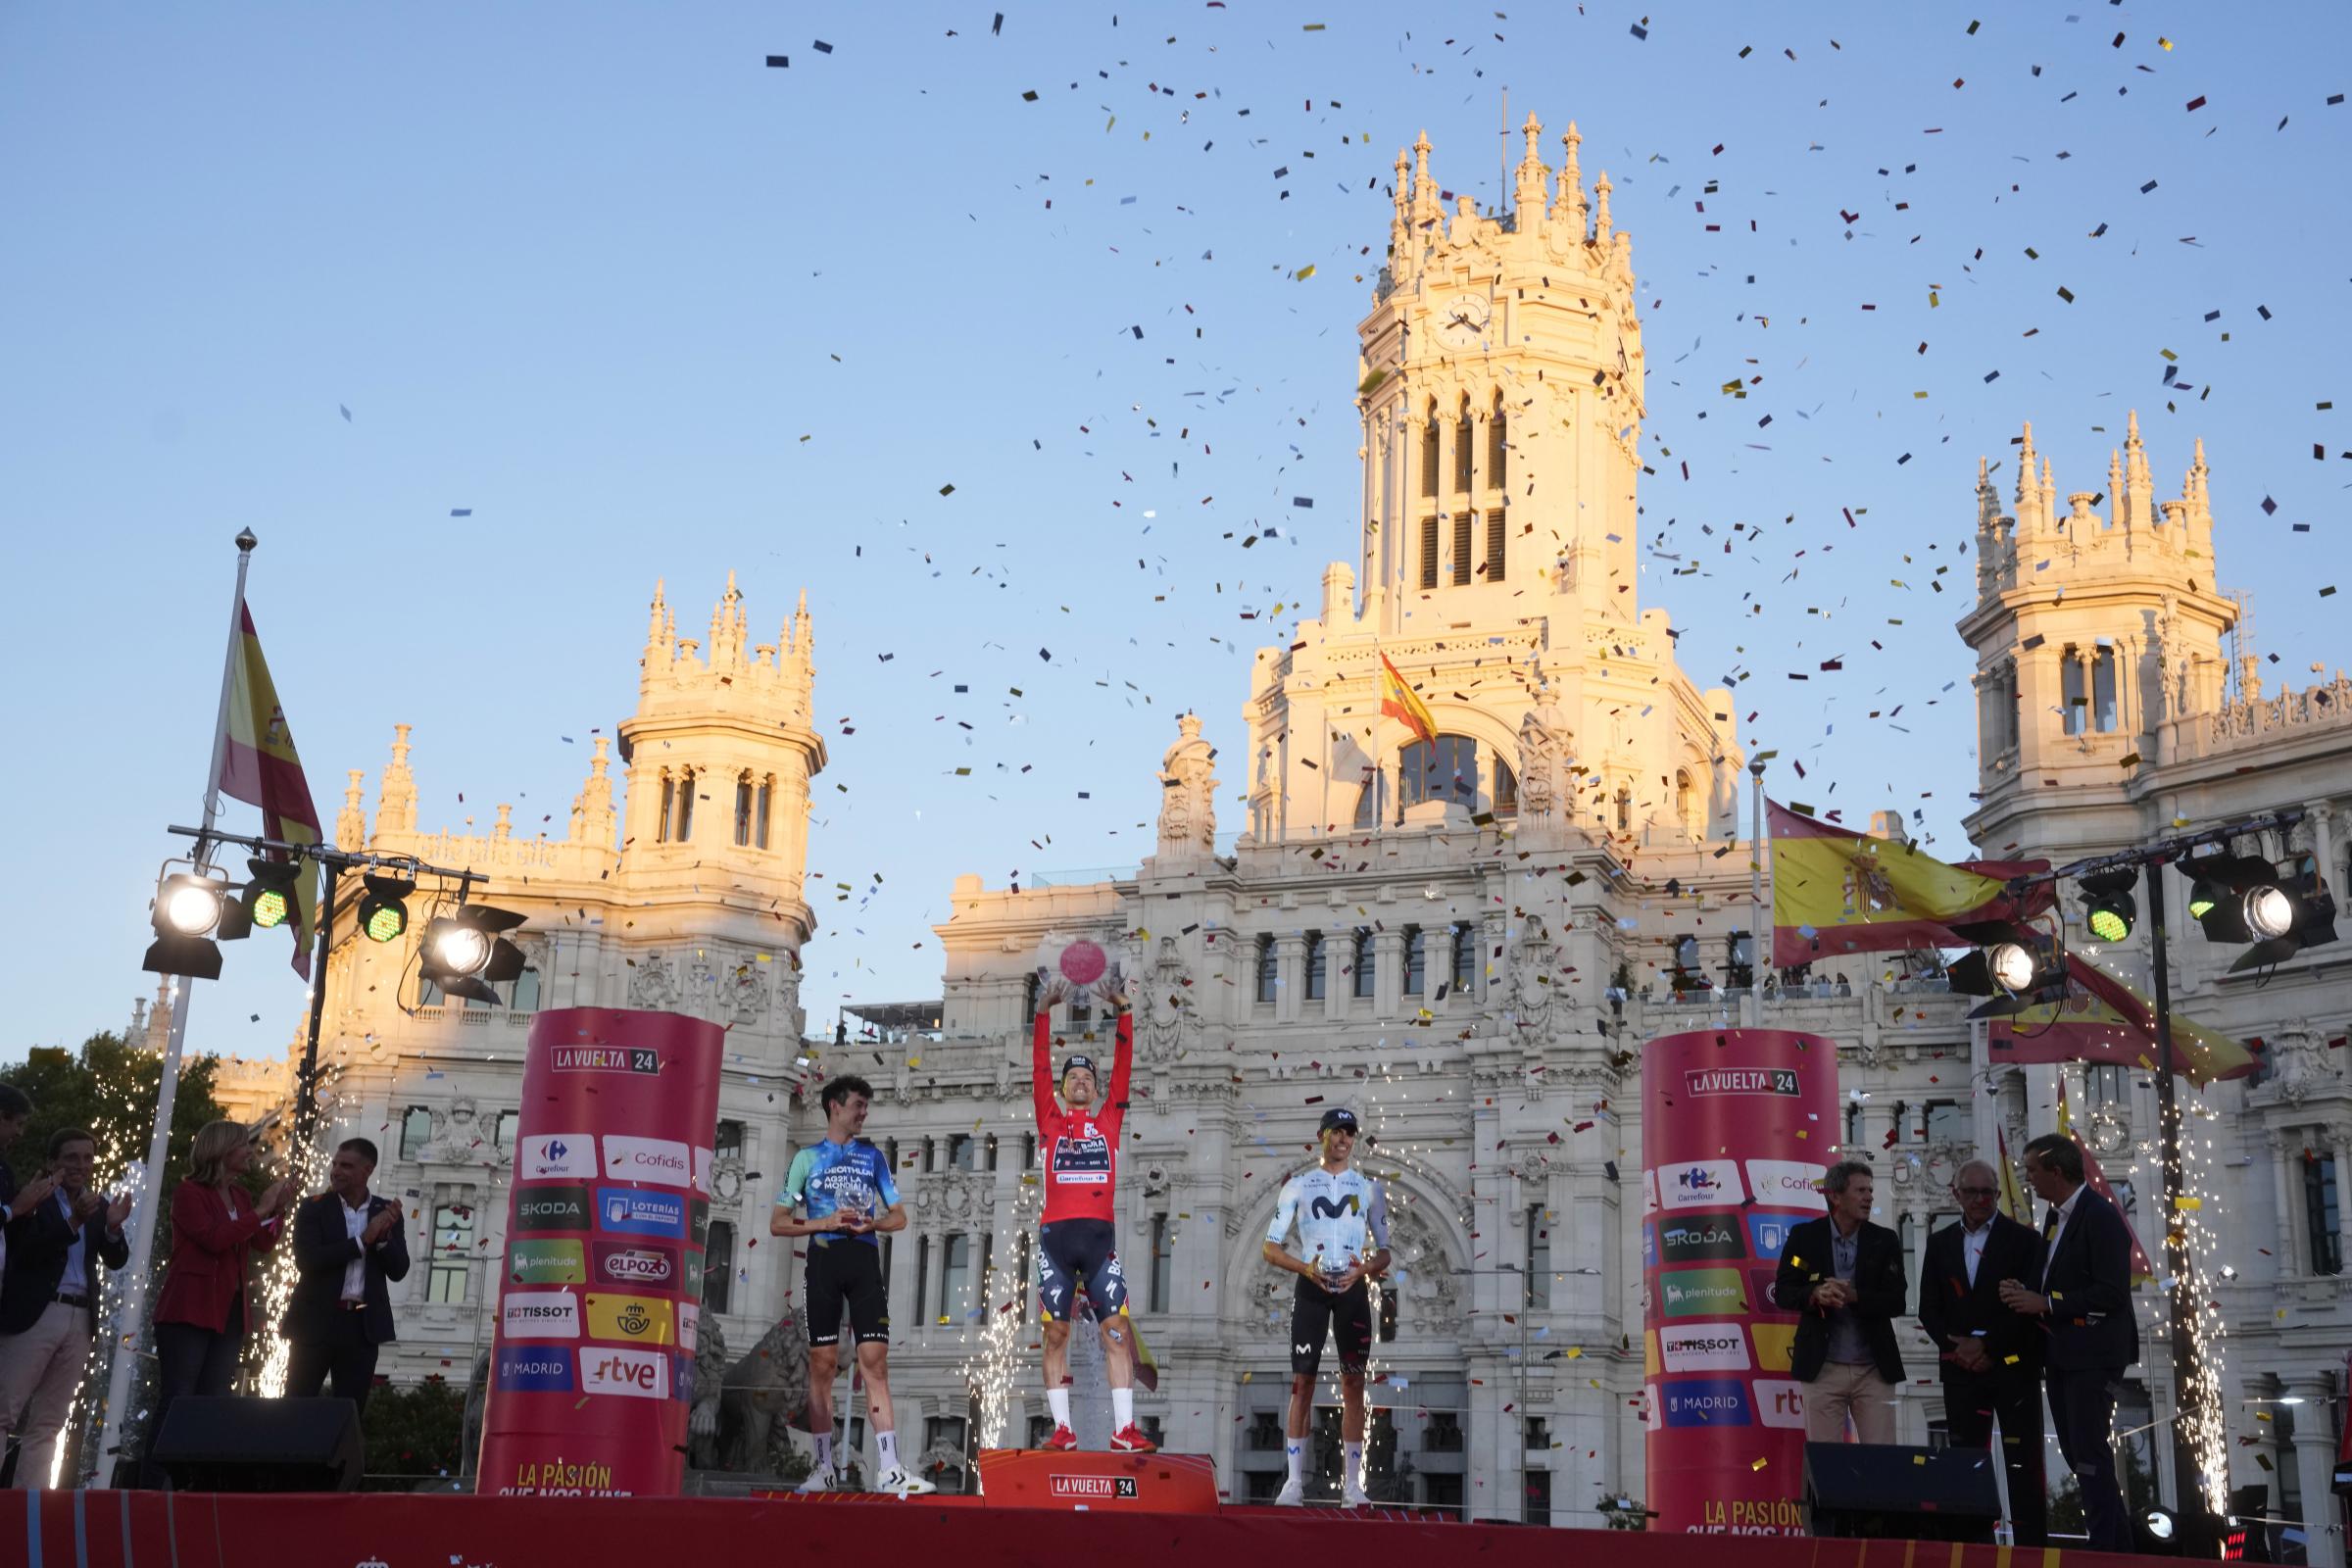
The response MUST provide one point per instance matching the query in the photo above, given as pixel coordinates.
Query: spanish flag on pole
(1835, 891)
(1398, 700)
(2013, 1200)
(2097, 1180)
(259, 767)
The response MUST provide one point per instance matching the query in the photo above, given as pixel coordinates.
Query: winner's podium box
(1125, 1483)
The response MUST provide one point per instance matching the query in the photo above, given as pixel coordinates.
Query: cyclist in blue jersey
(844, 1193)
(1336, 1209)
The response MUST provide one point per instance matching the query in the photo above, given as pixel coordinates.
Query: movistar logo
(1326, 1209)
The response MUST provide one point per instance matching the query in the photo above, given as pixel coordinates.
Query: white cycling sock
(1295, 1450)
(1353, 1474)
(1122, 1409)
(1057, 1400)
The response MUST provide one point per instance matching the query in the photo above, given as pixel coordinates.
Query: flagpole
(2188, 1383)
(132, 1307)
(1758, 928)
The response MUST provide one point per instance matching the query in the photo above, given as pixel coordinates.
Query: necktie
(2049, 1227)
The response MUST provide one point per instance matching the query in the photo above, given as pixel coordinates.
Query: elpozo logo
(643, 1265)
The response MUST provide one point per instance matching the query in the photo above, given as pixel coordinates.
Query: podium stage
(400, 1530)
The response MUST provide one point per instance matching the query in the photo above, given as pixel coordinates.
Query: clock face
(1462, 321)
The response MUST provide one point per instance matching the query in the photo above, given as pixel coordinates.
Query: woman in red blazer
(203, 1314)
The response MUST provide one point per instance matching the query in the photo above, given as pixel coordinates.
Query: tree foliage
(109, 1088)
(413, 1432)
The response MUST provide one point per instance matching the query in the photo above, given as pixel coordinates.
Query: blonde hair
(213, 1143)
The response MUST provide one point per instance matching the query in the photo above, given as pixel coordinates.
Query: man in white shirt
(1989, 1354)
(49, 1301)
(348, 1242)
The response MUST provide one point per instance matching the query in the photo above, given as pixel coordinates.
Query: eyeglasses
(1980, 1191)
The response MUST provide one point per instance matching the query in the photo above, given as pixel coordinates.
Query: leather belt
(71, 1298)
(352, 1306)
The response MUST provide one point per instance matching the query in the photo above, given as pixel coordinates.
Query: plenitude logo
(1701, 1293)
(556, 1262)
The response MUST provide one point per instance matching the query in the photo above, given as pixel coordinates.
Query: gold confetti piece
(1759, 1464)
(2186, 1201)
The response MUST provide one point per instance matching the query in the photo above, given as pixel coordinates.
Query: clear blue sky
(649, 307)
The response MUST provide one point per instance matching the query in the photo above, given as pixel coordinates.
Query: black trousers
(2083, 1411)
(1971, 1401)
(343, 1354)
(192, 1361)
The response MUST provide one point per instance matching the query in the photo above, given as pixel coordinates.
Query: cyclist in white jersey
(1337, 1208)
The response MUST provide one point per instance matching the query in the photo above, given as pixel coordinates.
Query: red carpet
(390, 1530)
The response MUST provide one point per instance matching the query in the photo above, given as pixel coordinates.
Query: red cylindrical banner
(1736, 1126)
(591, 1371)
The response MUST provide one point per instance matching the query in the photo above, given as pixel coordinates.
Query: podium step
(1079, 1480)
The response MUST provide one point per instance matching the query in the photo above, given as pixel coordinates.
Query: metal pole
(2188, 1415)
(306, 1087)
(1757, 924)
(132, 1307)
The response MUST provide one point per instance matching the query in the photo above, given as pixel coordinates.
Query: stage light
(2014, 966)
(2108, 909)
(2159, 1533)
(2244, 898)
(269, 898)
(465, 954)
(385, 907)
(190, 907)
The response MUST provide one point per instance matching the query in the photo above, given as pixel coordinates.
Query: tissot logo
(1703, 1348)
(1741, 1080)
(1692, 1240)
(604, 1058)
(1091, 1485)
(540, 1315)
(557, 1155)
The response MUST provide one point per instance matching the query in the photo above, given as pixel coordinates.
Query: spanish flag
(259, 767)
(2104, 1020)
(2013, 1200)
(1400, 702)
(1835, 891)
(2097, 1180)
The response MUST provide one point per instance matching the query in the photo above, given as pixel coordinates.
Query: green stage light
(2108, 909)
(269, 898)
(385, 907)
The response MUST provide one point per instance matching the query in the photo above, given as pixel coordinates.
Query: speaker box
(245, 1445)
(1862, 1491)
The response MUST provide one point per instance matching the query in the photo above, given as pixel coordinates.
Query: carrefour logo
(1700, 1184)
(1706, 1403)
(1692, 1240)
(557, 1155)
(1701, 1293)
(641, 1213)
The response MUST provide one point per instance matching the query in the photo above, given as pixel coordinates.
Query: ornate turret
(1603, 228)
(1528, 198)
(1570, 210)
(396, 803)
(351, 825)
(1426, 208)
(592, 809)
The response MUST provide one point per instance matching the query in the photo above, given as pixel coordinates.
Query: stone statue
(768, 1385)
(710, 1382)
(1527, 1002)
(1544, 743)
(1167, 1016)
(1188, 811)
(2299, 1063)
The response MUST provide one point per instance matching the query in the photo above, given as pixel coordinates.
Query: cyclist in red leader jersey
(1079, 1149)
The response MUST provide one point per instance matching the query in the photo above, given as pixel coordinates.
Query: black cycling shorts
(1346, 1317)
(1074, 1252)
(847, 1271)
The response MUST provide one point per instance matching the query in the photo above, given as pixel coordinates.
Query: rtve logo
(636, 1374)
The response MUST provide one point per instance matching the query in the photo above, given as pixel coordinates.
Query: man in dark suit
(1845, 1275)
(2083, 1301)
(1991, 1356)
(348, 1242)
(59, 1233)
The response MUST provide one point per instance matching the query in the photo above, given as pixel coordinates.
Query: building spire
(1570, 207)
(592, 809)
(1528, 198)
(1603, 228)
(351, 825)
(1425, 189)
(396, 803)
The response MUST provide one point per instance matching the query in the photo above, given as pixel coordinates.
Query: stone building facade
(1464, 938)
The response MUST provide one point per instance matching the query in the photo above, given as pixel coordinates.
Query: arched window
(1685, 801)
(1506, 789)
(1497, 445)
(1365, 967)
(759, 812)
(1465, 437)
(1443, 769)
(743, 810)
(1371, 799)
(669, 808)
(1416, 960)
(1317, 966)
(685, 814)
(1429, 449)
(1625, 807)
(1465, 956)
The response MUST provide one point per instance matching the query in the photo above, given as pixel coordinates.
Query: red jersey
(1080, 1149)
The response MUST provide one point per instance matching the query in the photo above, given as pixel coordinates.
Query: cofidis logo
(648, 1159)
(1706, 1403)
(1787, 1183)
(535, 1369)
(640, 1213)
